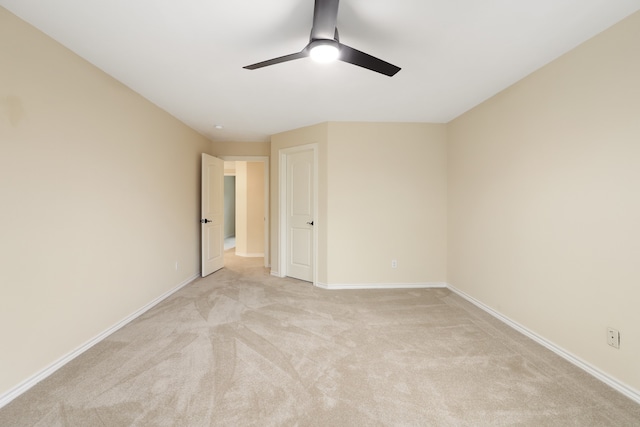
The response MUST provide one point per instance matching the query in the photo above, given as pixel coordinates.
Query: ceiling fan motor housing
(324, 50)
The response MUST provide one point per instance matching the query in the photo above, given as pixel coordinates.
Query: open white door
(212, 219)
(300, 214)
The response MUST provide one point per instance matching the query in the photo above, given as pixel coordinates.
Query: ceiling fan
(324, 44)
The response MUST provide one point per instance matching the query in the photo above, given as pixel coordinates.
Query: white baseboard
(25, 385)
(250, 255)
(333, 286)
(275, 273)
(628, 391)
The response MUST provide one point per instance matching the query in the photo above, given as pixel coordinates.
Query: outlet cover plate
(613, 338)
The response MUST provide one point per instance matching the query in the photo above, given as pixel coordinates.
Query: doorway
(298, 211)
(246, 206)
(229, 208)
(212, 215)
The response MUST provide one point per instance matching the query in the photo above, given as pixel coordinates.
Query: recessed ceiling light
(218, 126)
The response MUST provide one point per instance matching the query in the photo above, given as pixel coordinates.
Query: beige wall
(250, 208)
(386, 200)
(100, 198)
(255, 208)
(241, 207)
(544, 201)
(224, 148)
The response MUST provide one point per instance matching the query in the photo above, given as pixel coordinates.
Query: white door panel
(301, 252)
(212, 219)
(299, 215)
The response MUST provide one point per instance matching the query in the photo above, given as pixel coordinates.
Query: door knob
(310, 222)
(205, 220)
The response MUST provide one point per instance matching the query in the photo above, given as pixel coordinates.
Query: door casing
(282, 221)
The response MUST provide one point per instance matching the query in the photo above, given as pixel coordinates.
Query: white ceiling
(186, 56)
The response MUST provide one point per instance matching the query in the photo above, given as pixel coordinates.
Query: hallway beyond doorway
(229, 242)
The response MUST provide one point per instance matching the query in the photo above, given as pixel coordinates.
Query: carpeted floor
(242, 348)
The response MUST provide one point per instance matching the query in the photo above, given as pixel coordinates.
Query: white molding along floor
(25, 385)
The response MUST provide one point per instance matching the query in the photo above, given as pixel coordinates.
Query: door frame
(265, 161)
(283, 154)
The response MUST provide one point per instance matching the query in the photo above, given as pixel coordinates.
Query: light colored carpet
(242, 348)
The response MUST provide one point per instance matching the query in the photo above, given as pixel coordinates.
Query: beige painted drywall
(386, 201)
(250, 209)
(242, 207)
(99, 194)
(226, 148)
(229, 167)
(255, 209)
(544, 201)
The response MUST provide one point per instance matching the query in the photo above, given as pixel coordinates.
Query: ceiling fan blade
(361, 59)
(302, 54)
(325, 16)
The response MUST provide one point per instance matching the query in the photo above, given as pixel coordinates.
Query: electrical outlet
(394, 263)
(613, 338)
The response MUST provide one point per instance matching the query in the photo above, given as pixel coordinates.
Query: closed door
(299, 214)
(212, 219)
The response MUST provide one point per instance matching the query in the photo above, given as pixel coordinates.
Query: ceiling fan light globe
(324, 52)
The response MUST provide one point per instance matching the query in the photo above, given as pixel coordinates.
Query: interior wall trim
(25, 385)
(333, 286)
(628, 391)
(250, 254)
